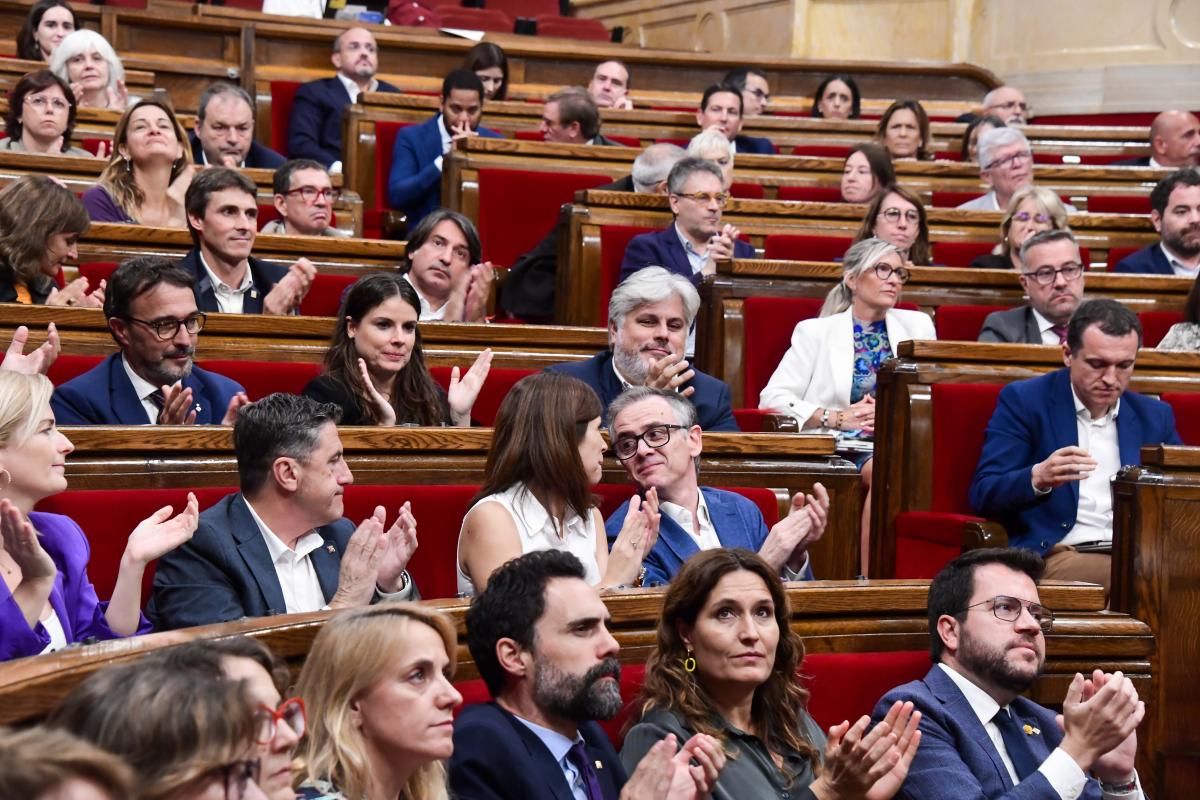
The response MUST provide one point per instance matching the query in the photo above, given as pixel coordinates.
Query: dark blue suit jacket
(1034, 418)
(663, 249)
(415, 183)
(1149, 260)
(264, 274)
(225, 572)
(496, 757)
(754, 145)
(957, 758)
(737, 520)
(104, 396)
(259, 157)
(315, 126)
(714, 409)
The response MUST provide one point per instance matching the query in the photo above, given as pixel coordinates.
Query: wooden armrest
(977, 535)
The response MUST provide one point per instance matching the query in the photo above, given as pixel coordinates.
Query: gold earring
(689, 663)
(6, 478)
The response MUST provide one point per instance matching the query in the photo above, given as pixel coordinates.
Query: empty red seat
(844, 686)
(1186, 406)
(499, 381)
(385, 144)
(768, 323)
(959, 254)
(961, 323)
(261, 378)
(571, 28)
(325, 297)
(1117, 254)
(67, 367)
(476, 19)
(812, 194)
(747, 191)
(613, 241)
(283, 95)
(806, 248)
(1118, 204)
(1155, 325)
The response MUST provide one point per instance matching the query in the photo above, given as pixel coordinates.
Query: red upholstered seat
(283, 94)
(499, 381)
(747, 191)
(768, 323)
(844, 686)
(96, 271)
(261, 378)
(385, 143)
(325, 297)
(524, 8)
(67, 367)
(1118, 254)
(249, 5)
(821, 150)
(959, 254)
(530, 136)
(1118, 204)
(751, 420)
(93, 145)
(613, 241)
(476, 19)
(812, 194)
(517, 208)
(962, 323)
(1186, 406)
(571, 27)
(806, 248)
(953, 199)
(1155, 325)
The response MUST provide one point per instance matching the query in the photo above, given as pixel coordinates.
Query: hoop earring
(5, 477)
(689, 663)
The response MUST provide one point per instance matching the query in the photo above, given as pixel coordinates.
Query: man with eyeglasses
(979, 737)
(1052, 275)
(1175, 214)
(1009, 104)
(752, 83)
(224, 134)
(304, 198)
(1055, 442)
(693, 243)
(656, 438)
(1005, 165)
(153, 379)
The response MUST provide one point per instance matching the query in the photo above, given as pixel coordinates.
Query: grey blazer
(1014, 326)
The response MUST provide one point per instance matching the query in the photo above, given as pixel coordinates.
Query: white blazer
(818, 369)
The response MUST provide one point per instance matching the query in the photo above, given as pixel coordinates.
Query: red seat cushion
(959, 254)
(1119, 204)
(509, 229)
(283, 95)
(571, 27)
(261, 378)
(497, 385)
(845, 686)
(768, 324)
(1118, 254)
(1155, 325)
(926, 541)
(613, 241)
(68, 367)
(385, 144)
(325, 297)
(962, 323)
(960, 412)
(806, 248)
(812, 194)
(476, 19)
(1186, 406)
(953, 199)
(96, 271)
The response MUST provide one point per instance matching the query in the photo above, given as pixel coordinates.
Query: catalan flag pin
(1031, 731)
(330, 548)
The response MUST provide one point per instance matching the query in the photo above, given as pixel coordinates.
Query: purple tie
(1061, 332)
(578, 757)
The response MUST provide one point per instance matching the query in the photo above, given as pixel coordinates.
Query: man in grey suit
(1052, 276)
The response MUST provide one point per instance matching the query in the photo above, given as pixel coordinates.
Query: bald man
(1174, 142)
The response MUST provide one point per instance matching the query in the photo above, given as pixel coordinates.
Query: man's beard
(630, 365)
(992, 665)
(160, 375)
(1177, 242)
(578, 697)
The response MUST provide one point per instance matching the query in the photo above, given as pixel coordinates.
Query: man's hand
(721, 244)
(670, 372)
(285, 296)
(1063, 466)
(789, 539)
(1100, 718)
(360, 563)
(177, 407)
(462, 130)
(235, 404)
(479, 291)
(625, 104)
(400, 543)
(36, 362)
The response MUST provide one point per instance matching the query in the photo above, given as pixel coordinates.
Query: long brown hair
(539, 426)
(923, 150)
(32, 209)
(775, 710)
(919, 254)
(118, 178)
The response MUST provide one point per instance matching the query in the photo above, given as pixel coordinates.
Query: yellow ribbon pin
(1030, 730)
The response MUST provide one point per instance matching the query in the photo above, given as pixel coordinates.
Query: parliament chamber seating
(806, 248)
(1155, 325)
(476, 19)
(962, 323)
(282, 97)
(375, 216)
(571, 28)
(811, 194)
(1186, 406)
(769, 322)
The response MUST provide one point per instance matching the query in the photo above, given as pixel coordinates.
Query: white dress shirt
(447, 142)
(428, 312)
(144, 389)
(706, 539)
(294, 568)
(559, 746)
(352, 87)
(1093, 519)
(54, 629)
(229, 298)
(1046, 328)
(1178, 267)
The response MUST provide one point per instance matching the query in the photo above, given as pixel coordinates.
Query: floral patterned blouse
(871, 350)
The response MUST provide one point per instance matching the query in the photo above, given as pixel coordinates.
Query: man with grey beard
(539, 636)
(649, 317)
(151, 312)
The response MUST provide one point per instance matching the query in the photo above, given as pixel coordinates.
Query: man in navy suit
(539, 636)
(224, 134)
(693, 243)
(1174, 143)
(1055, 442)
(656, 438)
(1175, 212)
(152, 314)
(315, 126)
(280, 545)
(722, 107)
(979, 737)
(649, 317)
(415, 183)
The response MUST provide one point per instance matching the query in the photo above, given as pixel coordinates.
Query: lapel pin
(331, 549)
(599, 765)
(1031, 731)
(253, 294)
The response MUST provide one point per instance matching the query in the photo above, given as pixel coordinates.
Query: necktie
(578, 757)
(1016, 742)
(1061, 332)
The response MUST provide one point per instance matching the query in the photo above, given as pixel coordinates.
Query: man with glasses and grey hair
(1005, 165)
(656, 438)
(1052, 274)
(649, 316)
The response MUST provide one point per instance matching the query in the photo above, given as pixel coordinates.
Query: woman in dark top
(1031, 210)
(837, 97)
(375, 369)
(897, 216)
(48, 23)
(40, 223)
(725, 664)
(904, 131)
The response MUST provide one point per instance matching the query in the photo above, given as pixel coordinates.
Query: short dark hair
(722, 87)
(855, 95)
(737, 77)
(1113, 318)
(281, 182)
(1046, 237)
(278, 425)
(32, 83)
(1160, 195)
(219, 88)
(424, 229)
(137, 276)
(208, 182)
(462, 79)
(510, 607)
(952, 588)
(576, 105)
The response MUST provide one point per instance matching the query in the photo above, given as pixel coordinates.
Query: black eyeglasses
(311, 193)
(626, 447)
(1008, 609)
(1046, 275)
(165, 329)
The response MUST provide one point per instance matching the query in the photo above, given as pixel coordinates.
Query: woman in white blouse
(826, 379)
(547, 453)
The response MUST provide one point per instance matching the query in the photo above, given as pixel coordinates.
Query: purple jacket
(101, 207)
(73, 597)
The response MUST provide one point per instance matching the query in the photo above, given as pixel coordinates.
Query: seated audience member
(981, 738)
(442, 264)
(222, 216)
(89, 65)
(897, 216)
(752, 84)
(721, 107)
(1055, 442)
(375, 369)
(304, 198)
(281, 545)
(968, 149)
(40, 225)
(46, 599)
(148, 172)
(1009, 104)
(571, 117)
(415, 182)
(726, 604)
(48, 23)
(656, 438)
(867, 171)
(224, 134)
(1185, 335)
(904, 131)
(837, 97)
(691, 245)
(547, 453)
(711, 145)
(529, 290)
(44, 764)
(1174, 210)
(1052, 275)
(649, 316)
(1031, 209)
(826, 379)
(184, 738)
(539, 636)
(369, 737)
(1174, 142)
(1005, 165)
(315, 125)
(41, 116)
(489, 63)
(609, 87)
(152, 379)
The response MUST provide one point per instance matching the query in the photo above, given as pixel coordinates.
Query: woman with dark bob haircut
(725, 663)
(40, 224)
(375, 367)
(904, 131)
(490, 65)
(837, 98)
(48, 23)
(41, 116)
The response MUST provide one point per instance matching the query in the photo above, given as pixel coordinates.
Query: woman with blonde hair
(377, 686)
(1031, 210)
(90, 66)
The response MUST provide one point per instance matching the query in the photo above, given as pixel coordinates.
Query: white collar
(681, 514)
(1174, 260)
(352, 87)
(219, 285)
(427, 309)
(445, 134)
(536, 517)
(1043, 323)
(688, 247)
(142, 387)
(1082, 412)
(304, 545)
(982, 703)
